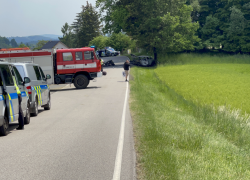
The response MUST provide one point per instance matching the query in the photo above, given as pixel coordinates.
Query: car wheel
(144, 62)
(36, 109)
(48, 106)
(4, 129)
(81, 81)
(112, 55)
(27, 117)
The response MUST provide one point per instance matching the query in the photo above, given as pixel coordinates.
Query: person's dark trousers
(20, 118)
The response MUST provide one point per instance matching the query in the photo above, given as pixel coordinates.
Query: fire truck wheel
(57, 80)
(4, 128)
(81, 81)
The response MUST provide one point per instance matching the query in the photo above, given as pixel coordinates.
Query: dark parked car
(142, 60)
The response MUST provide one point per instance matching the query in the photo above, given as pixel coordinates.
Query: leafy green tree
(100, 42)
(68, 36)
(237, 39)
(211, 32)
(87, 25)
(40, 44)
(13, 43)
(4, 42)
(22, 45)
(119, 41)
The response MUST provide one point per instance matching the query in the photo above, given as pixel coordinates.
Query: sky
(37, 17)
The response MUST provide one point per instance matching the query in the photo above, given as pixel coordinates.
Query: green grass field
(184, 122)
(216, 84)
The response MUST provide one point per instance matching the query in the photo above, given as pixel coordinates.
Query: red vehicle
(77, 66)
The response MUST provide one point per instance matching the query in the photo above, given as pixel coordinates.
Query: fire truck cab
(77, 66)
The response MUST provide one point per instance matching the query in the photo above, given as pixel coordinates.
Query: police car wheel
(36, 109)
(81, 81)
(4, 129)
(48, 106)
(27, 117)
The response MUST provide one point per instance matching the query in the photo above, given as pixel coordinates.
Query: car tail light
(29, 89)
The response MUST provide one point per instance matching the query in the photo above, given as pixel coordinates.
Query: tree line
(224, 24)
(180, 25)
(6, 43)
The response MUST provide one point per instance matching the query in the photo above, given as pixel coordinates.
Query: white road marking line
(118, 161)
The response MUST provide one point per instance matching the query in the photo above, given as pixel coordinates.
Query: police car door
(22, 88)
(38, 88)
(2, 104)
(44, 87)
(10, 89)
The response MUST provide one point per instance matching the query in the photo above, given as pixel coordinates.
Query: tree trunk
(155, 56)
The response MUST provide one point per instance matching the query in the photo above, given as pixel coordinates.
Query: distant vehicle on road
(38, 89)
(142, 60)
(108, 51)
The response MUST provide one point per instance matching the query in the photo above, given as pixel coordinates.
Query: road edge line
(118, 160)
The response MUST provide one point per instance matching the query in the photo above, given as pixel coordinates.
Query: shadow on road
(74, 89)
(13, 126)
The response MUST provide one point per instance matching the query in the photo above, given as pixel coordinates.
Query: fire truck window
(87, 55)
(79, 56)
(38, 75)
(67, 57)
(7, 75)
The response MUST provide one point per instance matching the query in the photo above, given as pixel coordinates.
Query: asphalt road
(77, 139)
(118, 60)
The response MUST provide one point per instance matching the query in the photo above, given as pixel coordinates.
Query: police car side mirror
(48, 76)
(26, 80)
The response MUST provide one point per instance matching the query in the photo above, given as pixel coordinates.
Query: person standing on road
(21, 117)
(126, 69)
(102, 63)
(100, 53)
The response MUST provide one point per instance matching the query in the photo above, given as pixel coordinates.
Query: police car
(9, 107)
(38, 88)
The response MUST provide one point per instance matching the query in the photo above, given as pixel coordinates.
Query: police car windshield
(21, 71)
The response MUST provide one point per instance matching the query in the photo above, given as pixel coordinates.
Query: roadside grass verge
(178, 139)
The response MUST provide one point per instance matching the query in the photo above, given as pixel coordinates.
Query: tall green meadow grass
(199, 58)
(215, 84)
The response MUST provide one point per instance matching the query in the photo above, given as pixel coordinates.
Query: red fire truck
(77, 66)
